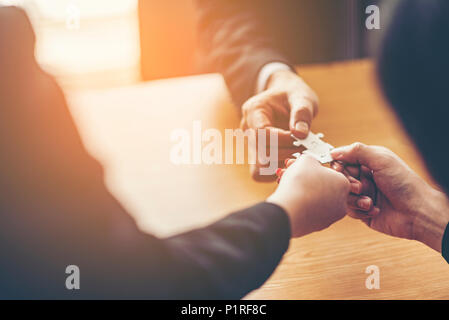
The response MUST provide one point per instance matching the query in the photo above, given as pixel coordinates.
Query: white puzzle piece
(315, 147)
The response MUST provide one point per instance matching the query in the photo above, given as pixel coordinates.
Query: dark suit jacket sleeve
(235, 41)
(233, 256)
(225, 260)
(57, 211)
(445, 244)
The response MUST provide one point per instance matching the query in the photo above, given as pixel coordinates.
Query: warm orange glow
(86, 43)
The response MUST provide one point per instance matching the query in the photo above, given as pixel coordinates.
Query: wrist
(267, 71)
(431, 219)
(280, 78)
(294, 212)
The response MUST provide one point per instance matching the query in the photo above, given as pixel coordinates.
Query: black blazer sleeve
(233, 256)
(56, 211)
(235, 40)
(445, 244)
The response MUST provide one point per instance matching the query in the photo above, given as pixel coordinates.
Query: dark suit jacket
(55, 210)
(238, 37)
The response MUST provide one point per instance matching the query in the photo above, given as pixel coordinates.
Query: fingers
(283, 156)
(365, 216)
(279, 173)
(358, 153)
(301, 115)
(304, 157)
(362, 203)
(284, 138)
(353, 171)
(288, 162)
(362, 207)
(356, 185)
(261, 119)
(337, 166)
(308, 160)
(368, 187)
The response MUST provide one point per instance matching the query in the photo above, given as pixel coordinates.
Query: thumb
(301, 115)
(360, 154)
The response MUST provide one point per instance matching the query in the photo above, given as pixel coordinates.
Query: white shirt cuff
(266, 71)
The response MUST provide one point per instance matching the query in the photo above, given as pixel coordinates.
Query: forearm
(432, 219)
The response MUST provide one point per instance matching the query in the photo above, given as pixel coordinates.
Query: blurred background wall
(167, 38)
(108, 43)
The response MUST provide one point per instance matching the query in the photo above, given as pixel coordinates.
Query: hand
(287, 106)
(313, 196)
(405, 205)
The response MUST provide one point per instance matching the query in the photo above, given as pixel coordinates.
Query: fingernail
(278, 171)
(282, 172)
(302, 126)
(337, 166)
(364, 203)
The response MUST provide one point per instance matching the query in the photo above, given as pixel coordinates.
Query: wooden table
(129, 128)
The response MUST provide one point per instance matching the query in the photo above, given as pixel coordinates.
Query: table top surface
(128, 129)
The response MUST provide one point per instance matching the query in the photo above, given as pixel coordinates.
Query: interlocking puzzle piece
(315, 147)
